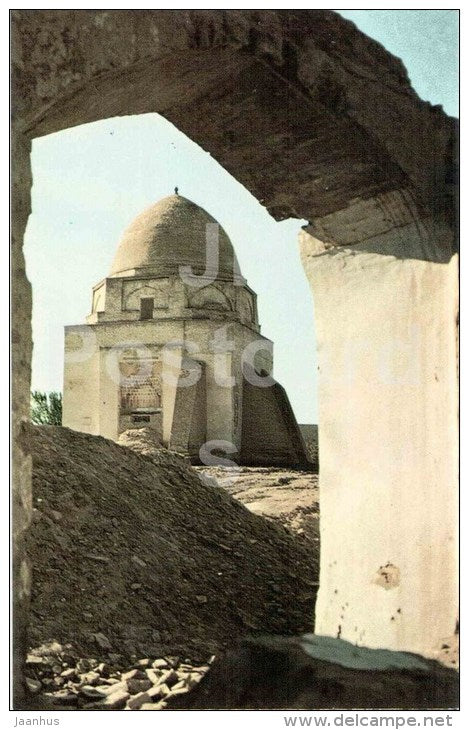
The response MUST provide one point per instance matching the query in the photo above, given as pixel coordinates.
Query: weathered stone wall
(189, 427)
(318, 122)
(21, 357)
(270, 434)
(327, 111)
(81, 380)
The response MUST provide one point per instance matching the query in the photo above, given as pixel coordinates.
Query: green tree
(46, 408)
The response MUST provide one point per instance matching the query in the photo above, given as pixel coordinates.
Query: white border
(182, 719)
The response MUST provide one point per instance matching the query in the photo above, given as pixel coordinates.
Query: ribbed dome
(170, 234)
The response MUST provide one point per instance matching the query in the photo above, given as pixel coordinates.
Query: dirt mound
(145, 441)
(133, 557)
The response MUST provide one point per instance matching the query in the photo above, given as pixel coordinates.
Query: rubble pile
(69, 682)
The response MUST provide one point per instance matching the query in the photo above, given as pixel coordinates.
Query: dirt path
(288, 497)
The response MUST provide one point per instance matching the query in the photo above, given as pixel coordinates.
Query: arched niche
(133, 294)
(210, 297)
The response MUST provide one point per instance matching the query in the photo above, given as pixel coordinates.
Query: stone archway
(318, 122)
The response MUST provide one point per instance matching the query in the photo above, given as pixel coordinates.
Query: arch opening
(333, 161)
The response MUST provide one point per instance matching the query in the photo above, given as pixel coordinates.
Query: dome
(169, 234)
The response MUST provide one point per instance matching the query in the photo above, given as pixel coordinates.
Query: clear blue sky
(89, 182)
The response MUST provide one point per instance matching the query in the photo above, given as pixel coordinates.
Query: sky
(89, 182)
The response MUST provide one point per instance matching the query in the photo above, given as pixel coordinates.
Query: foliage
(46, 408)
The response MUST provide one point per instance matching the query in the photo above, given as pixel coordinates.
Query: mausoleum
(173, 343)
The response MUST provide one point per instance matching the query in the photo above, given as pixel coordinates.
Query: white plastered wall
(386, 338)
